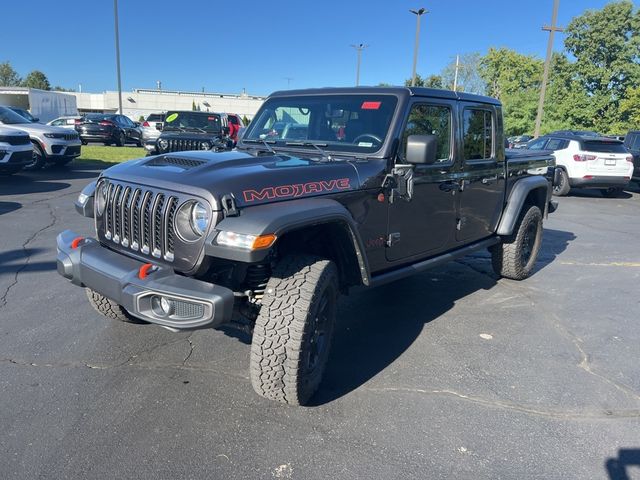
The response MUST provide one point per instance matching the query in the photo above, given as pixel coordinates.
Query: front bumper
(61, 149)
(118, 278)
(600, 181)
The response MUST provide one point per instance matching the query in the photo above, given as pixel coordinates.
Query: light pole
(547, 62)
(418, 14)
(360, 47)
(115, 15)
(288, 79)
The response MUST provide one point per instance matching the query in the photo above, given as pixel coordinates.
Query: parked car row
(587, 159)
(47, 143)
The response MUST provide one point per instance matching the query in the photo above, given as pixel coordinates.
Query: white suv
(587, 161)
(50, 144)
(15, 150)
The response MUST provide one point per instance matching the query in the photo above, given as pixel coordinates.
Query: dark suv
(632, 142)
(109, 129)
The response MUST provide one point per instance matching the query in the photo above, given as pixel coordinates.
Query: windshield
(352, 123)
(209, 122)
(9, 117)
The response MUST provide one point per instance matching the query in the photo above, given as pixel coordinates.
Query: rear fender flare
(516, 200)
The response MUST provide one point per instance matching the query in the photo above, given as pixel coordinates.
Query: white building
(142, 102)
(43, 104)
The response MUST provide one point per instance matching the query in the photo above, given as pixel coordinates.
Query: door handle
(488, 180)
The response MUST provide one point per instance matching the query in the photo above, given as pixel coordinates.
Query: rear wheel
(109, 308)
(38, 159)
(120, 139)
(293, 331)
(612, 192)
(516, 255)
(563, 186)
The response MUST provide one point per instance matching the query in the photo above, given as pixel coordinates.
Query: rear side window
(556, 144)
(537, 144)
(601, 146)
(478, 134)
(632, 141)
(155, 117)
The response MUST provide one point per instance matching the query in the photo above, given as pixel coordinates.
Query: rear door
(482, 183)
(425, 225)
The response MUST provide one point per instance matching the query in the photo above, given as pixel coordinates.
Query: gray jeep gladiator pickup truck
(328, 189)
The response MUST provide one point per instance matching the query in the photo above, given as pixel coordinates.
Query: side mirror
(422, 149)
(35, 119)
(159, 126)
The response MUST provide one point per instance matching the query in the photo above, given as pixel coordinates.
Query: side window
(56, 123)
(555, 144)
(636, 142)
(537, 144)
(430, 120)
(478, 134)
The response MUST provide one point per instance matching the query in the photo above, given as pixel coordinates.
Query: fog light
(162, 306)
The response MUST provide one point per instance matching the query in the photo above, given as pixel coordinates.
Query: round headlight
(205, 146)
(192, 221)
(199, 218)
(163, 144)
(101, 197)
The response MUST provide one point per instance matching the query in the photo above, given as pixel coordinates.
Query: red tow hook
(76, 242)
(145, 270)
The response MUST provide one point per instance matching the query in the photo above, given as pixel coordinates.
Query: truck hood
(251, 180)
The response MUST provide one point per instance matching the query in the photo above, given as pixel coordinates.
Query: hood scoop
(174, 163)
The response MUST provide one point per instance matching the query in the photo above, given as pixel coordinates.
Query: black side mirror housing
(35, 119)
(421, 149)
(159, 126)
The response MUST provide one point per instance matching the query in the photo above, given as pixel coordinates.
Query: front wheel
(120, 140)
(293, 332)
(516, 255)
(110, 309)
(38, 159)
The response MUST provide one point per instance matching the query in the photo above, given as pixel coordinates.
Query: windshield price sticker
(171, 118)
(370, 105)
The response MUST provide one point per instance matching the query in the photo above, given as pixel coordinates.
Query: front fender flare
(518, 195)
(280, 218)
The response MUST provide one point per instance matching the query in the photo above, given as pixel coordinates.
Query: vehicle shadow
(617, 467)
(12, 261)
(8, 207)
(594, 193)
(50, 179)
(376, 326)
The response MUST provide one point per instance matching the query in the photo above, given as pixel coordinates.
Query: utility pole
(288, 79)
(418, 14)
(360, 47)
(115, 15)
(455, 77)
(547, 63)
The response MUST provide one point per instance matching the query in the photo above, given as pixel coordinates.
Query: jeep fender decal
(296, 190)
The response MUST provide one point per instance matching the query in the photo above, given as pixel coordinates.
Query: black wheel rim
(35, 158)
(318, 339)
(528, 242)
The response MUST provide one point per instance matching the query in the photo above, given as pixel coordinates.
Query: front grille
(179, 145)
(21, 157)
(140, 220)
(70, 136)
(15, 139)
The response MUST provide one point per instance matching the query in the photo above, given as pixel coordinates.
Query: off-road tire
(562, 189)
(515, 257)
(39, 159)
(284, 364)
(109, 308)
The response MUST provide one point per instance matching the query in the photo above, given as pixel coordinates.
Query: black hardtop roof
(398, 91)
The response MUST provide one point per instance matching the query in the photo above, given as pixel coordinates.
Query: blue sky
(231, 45)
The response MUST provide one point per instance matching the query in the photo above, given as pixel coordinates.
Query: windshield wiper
(317, 146)
(266, 143)
(196, 128)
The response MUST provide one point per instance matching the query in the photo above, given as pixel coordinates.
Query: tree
(605, 44)
(629, 111)
(469, 78)
(36, 79)
(245, 120)
(432, 81)
(193, 105)
(58, 88)
(514, 79)
(8, 76)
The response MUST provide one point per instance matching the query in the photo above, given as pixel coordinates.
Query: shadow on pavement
(8, 207)
(554, 242)
(617, 467)
(50, 179)
(12, 261)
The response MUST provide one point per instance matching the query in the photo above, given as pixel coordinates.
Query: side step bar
(402, 272)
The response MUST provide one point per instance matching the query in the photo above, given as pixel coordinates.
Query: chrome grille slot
(142, 220)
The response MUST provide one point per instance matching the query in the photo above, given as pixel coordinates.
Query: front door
(425, 225)
(482, 185)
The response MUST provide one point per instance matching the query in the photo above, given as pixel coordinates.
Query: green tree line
(34, 79)
(594, 84)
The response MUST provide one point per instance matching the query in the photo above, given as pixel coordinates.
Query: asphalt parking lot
(449, 374)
